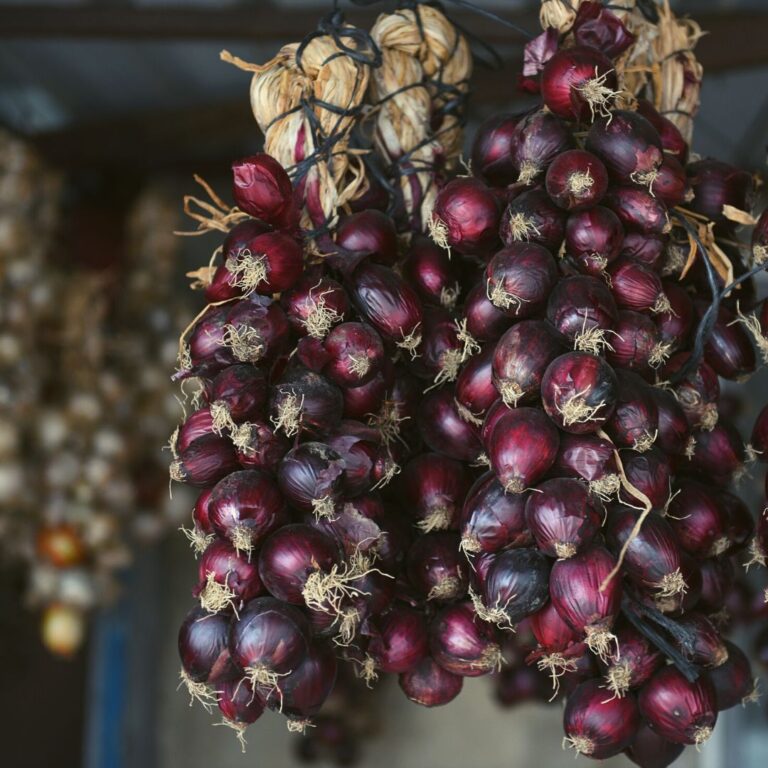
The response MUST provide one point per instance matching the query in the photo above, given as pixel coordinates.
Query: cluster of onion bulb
(406, 448)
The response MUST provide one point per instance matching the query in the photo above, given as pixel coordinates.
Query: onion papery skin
(600, 28)
(593, 239)
(598, 726)
(567, 73)
(733, 681)
(679, 711)
(520, 359)
(201, 512)
(429, 684)
(638, 210)
(579, 392)
(645, 249)
(463, 644)
(315, 304)
(433, 489)
(262, 189)
(636, 287)
(485, 321)
(492, 520)
(260, 447)
(399, 641)
(315, 403)
(515, 586)
(561, 517)
(651, 474)
(576, 180)
(706, 647)
(587, 457)
(207, 351)
(653, 560)
(208, 460)
(466, 215)
(356, 354)
(635, 662)
(492, 150)
(370, 233)
(311, 477)
(436, 567)
(636, 344)
(226, 578)
(270, 635)
(539, 138)
(532, 217)
(245, 507)
(671, 139)
(519, 279)
(290, 556)
(649, 750)
(444, 430)
(574, 588)
(204, 648)
(241, 389)
(582, 306)
(698, 520)
(522, 447)
(635, 420)
(256, 330)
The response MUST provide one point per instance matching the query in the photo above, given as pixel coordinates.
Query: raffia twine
(426, 65)
(306, 106)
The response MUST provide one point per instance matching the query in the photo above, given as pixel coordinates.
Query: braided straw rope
(306, 100)
(420, 90)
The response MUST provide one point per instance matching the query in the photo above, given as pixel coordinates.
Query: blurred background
(107, 109)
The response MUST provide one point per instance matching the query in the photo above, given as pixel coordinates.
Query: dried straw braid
(306, 101)
(426, 65)
(559, 14)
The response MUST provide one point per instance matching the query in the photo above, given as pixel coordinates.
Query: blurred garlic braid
(306, 100)
(420, 92)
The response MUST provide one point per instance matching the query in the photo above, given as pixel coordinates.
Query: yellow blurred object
(63, 629)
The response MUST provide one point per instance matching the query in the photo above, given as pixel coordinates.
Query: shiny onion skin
(532, 217)
(465, 217)
(492, 150)
(552, 634)
(698, 520)
(574, 588)
(241, 390)
(492, 520)
(593, 239)
(704, 645)
(651, 474)
(671, 183)
(463, 644)
(226, 578)
(245, 507)
(475, 390)
(653, 560)
(636, 344)
(635, 420)
(521, 357)
(399, 640)
(638, 210)
(578, 391)
(519, 279)
(561, 517)
(260, 447)
(356, 354)
(576, 180)
(370, 233)
(432, 272)
(436, 567)
(578, 82)
(646, 249)
(360, 402)
(304, 401)
(589, 458)
(679, 711)
(485, 321)
(522, 447)
(716, 184)
(311, 477)
(596, 725)
(600, 28)
(315, 304)
(539, 138)
(262, 189)
(239, 704)
(515, 587)
(443, 428)
(205, 462)
(674, 431)
(634, 663)
(256, 330)
(672, 140)
(200, 512)
(733, 681)
(203, 648)
(729, 351)
(649, 750)
(719, 453)
(637, 287)
(429, 684)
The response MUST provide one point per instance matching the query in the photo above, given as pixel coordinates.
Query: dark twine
(708, 320)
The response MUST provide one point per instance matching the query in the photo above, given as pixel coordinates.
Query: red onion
(637, 344)
(674, 431)
(227, 579)
(359, 449)
(522, 447)
(444, 347)
(637, 287)
(582, 309)
(649, 750)
(629, 146)
(599, 28)
(205, 462)
(445, 430)
(259, 446)
(698, 520)
(759, 439)
(239, 706)
(520, 358)
(356, 354)
(716, 184)
(647, 249)
(634, 423)
(206, 350)
(561, 517)
(262, 189)
(388, 303)
(475, 390)
(702, 645)
(268, 640)
(463, 644)
(436, 567)
(633, 664)
(399, 641)
(239, 392)
(575, 590)
(485, 321)
(315, 304)
(589, 458)
(576, 180)
(729, 351)
(638, 210)
(678, 710)
(361, 402)
(429, 684)
(716, 575)
(492, 520)
(760, 239)
(245, 508)
(304, 401)
(719, 453)
(518, 684)
(697, 393)
(311, 477)
(432, 272)
(370, 233)
(598, 726)
(465, 217)
(533, 217)
(433, 490)
(256, 330)
(593, 239)
(552, 634)
(492, 150)
(519, 279)
(578, 392)
(578, 82)
(651, 474)
(199, 424)
(671, 183)
(539, 138)
(733, 681)
(671, 139)
(202, 531)
(739, 523)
